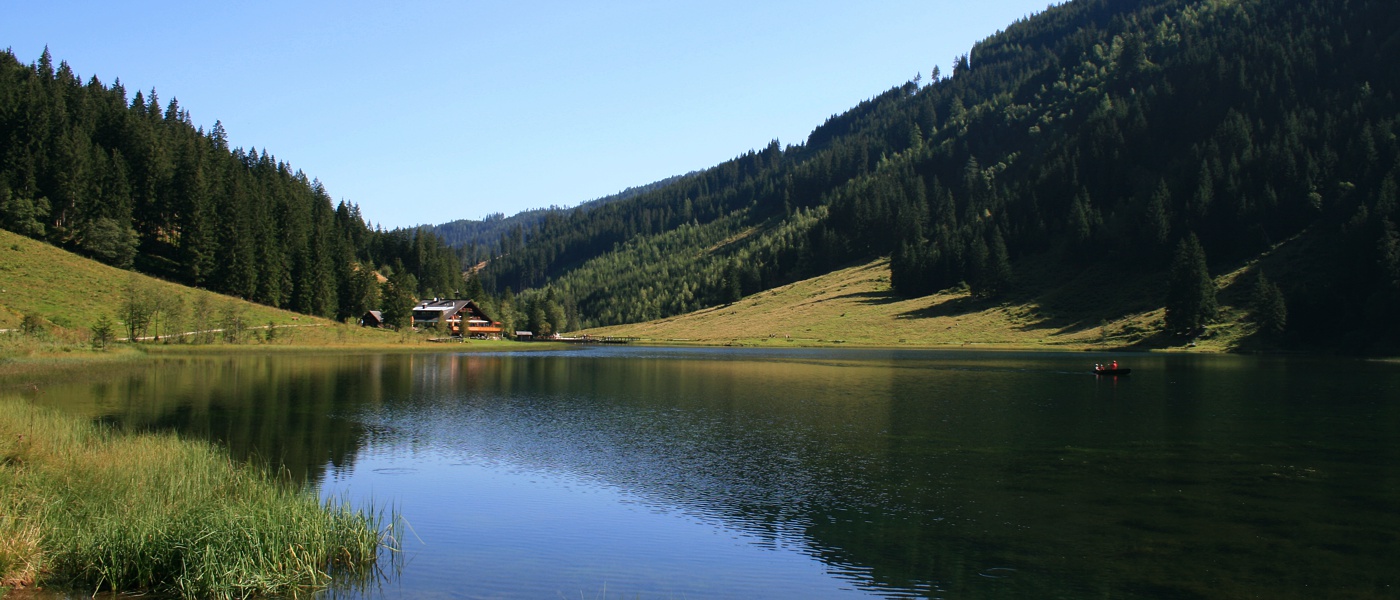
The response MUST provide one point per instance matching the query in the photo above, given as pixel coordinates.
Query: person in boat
(1115, 365)
(1098, 367)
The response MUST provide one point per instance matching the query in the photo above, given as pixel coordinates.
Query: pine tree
(731, 283)
(1190, 292)
(539, 321)
(102, 333)
(474, 290)
(1156, 221)
(1267, 306)
(398, 297)
(1083, 218)
(907, 270)
(997, 274)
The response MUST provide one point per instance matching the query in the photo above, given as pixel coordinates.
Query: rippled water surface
(745, 473)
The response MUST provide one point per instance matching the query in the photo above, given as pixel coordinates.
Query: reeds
(86, 507)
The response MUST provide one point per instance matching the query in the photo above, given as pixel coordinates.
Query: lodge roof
(448, 307)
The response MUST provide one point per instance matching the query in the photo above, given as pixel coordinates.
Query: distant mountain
(1174, 138)
(1099, 132)
(478, 240)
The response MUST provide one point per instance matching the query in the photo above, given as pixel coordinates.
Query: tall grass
(83, 506)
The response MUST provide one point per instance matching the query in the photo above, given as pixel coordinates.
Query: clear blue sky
(427, 112)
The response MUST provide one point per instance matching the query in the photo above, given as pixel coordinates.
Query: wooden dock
(588, 339)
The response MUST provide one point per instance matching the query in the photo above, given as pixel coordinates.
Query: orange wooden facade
(452, 315)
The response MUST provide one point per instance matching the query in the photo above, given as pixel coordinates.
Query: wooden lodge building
(457, 317)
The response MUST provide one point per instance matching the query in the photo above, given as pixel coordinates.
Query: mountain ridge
(1094, 133)
(1166, 138)
(474, 238)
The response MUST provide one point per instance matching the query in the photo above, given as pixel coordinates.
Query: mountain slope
(1096, 135)
(133, 183)
(1093, 309)
(479, 241)
(68, 294)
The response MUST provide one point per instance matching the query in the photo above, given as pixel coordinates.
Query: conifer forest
(1151, 136)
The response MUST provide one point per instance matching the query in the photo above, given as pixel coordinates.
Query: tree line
(1161, 136)
(135, 184)
(1095, 133)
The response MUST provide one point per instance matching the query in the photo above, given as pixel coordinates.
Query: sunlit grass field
(68, 294)
(1070, 310)
(856, 307)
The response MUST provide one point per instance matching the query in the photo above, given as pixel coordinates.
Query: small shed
(524, 336)
(372, 318)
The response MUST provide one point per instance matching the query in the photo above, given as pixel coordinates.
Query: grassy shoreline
(34, 364)
(88, 508)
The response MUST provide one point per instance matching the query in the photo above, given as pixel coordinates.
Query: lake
(640, 472)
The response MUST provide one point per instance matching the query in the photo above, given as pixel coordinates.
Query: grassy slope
(1093, 309)
(70, 293)
(1059, 310)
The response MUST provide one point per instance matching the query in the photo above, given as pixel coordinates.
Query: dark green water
(717, 473)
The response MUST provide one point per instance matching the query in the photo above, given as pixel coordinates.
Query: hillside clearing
(855, 306)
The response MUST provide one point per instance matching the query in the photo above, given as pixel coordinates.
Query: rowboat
(1112, 371)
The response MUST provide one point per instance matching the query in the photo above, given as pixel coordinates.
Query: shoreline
(1203, 348)
(974, 346)
(76, 514)
(25, 368)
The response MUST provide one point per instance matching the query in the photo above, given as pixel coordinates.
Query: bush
(33, 325)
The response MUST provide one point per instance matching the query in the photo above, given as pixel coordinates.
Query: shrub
(33, 325)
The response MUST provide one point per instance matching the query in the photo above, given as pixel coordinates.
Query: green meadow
(1093, 309)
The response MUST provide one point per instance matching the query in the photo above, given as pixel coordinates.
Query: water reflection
(898, 474)
(288, 412)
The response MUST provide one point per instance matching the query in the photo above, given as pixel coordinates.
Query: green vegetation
(74, 309)
(135, 184)
(1190, 291)
(83, 506)
(476, 241)
(1096, 135)
(1267, 306)
(70, 301)
(857, 306)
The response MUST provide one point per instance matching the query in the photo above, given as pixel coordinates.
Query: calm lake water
(752, 473)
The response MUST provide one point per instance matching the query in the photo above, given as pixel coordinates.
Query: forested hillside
(135, 184)
(1151, 135)
(478, 241)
